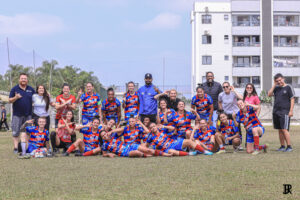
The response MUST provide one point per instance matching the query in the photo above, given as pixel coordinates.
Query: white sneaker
(221, 151)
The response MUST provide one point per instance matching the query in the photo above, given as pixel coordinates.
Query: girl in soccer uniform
(161, 141)
(131, 102)
(204, 135)
(91, 104)
(166, 117)
(91, 139)
(253, 126)
(203, 103)
(111, 108)
(61, 138)
(183, 121)
(227, 133)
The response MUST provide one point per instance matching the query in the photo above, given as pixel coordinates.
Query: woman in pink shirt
(251, 97)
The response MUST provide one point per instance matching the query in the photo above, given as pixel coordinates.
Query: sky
(119, 40)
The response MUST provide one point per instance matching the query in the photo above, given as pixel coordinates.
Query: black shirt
(213, 89)
(173, 104)
(283, 95)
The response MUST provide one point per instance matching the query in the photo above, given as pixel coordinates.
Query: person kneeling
(36, 139)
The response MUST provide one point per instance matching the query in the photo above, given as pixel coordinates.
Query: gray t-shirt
(229, 102)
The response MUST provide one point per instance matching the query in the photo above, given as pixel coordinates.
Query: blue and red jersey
(204, 137)
(133, 136)
(249, 119)
(171, 116)
(90, 104)
(111, 109)
(228, 130)
(37, 139)
(202, 105)
(115, 146)
(91, 139)
(131, 105)
(160, 141)
(183, 123)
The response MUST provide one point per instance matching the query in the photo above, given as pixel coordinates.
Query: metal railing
(245, 65)
(245, 23)
(286, 23)
(246, 44)
(288, 44)
(243, 85)
(285, 65)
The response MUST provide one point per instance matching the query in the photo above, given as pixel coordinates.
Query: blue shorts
(86, 149)
(131, 147)
(86, 119)
(176, 145)
(31, 148)
(250, 138)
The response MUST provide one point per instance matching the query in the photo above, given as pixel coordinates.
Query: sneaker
(288, 149)
(240, 148)
(78, 154)
(66, 154)
(266, 149)
(15, 151)
(281, 149)
(26, 156)
(221, 151)
(208, 153)
(192, 153)
(255, 152)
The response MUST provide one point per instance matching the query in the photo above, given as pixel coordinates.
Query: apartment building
(246, 41)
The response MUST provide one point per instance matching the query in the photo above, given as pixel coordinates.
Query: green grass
(226, 176)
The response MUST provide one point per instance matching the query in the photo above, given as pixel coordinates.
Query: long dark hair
(254, 93)
(46, 97)
(184, 111)
(72, 119)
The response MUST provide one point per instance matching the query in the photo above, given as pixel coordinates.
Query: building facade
(246, 41)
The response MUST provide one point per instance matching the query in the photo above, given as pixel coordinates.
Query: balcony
(245, 23)
(287, 44)
(286, 20)
(243, 85)
(242, 69)
(246, 44)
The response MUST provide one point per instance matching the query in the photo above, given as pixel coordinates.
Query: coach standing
(213, 89)
(148, 104)
(282, 110)
(21, 98)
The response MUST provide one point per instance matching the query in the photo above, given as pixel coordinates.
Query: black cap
(148, 75)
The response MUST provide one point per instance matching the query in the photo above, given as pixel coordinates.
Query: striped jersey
(91, 139)
(204, 137)
(111, 108)
(90, 104)
(249, 119)
(202, 105)
(171, 116)
(160, 141)
(183, 123)
(37, 139)
(115, 146)
(228, 130)
(133, 136)
(131, 105)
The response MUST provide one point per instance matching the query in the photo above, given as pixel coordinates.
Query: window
(206, 60)
(206, 39)
(226, 78)
(256, 80)
(226, 17)
(226, 57)
(242, 81)
(203, 79)
(243, 62)
(255, 60)
(206, 19)
(226, 37)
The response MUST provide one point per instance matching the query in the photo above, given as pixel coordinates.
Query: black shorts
(151, 117)
(64, 145)
(281, 121)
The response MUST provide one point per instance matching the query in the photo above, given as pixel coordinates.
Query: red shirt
(63, 133)
(63, 111)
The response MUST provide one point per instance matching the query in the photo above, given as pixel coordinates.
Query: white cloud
(30, 24)
(163, 21)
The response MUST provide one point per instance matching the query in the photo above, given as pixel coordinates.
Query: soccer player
(254, 128)
(166, 117)
(36, 140)
(183, 121)
(61, 138)
(204, 135)
(283, 110)
(160, 141)
(91, 139)
(91, 104)
(227, 133)
(131, 102)
(204, 105)
(111, 107)
(64, 102)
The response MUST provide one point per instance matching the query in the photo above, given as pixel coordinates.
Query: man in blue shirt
(21, 98)
(148, 102)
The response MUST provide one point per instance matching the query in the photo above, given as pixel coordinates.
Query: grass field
(226, 176)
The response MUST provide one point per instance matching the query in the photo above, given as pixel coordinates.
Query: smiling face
(249, 89)
(226, 87)
(110, 123)
(131, 122)
(69, 115)
(89, 88)
(173, 94)
(146, 121)
(200, 92)
(66, 90)
(41, 90)
(105, 136)
(279, 81)
(130, 87)
(223, 118)
(180, 106)
(148, 81)
(95, 123)
(111, 95)
(23, 80)
(241, 104)
(42, 122)
(210, 77)
(203, 124)
(163, 104)
(153, 128)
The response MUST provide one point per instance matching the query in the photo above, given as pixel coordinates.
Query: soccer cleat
(288, 149)
(255, 152)
(266, 148)
(66, 154)
(281, 149)
(208, 153)
(192, 153)
(221, 151)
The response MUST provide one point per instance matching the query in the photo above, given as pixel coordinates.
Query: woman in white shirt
(41, 102)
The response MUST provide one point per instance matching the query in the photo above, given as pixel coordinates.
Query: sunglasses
(225, 87)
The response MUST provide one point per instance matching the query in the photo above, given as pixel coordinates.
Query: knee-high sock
(23, 145)
(88, 153)
(71, 148)
(256, 142)
(183, 153)
(199, 148)
(262, 147)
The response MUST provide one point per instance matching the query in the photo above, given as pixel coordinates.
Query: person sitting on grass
(161, 141)
(204, 135)
(253, 126)
(134, 132)
(116, 147)
(35, 139)
(91, 139)
(61, 138)
(227, 133)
